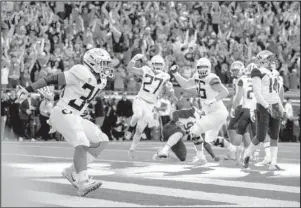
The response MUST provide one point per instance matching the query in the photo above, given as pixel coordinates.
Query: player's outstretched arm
(171, 92)
(57, 79)
(131, 66)
(184, 83)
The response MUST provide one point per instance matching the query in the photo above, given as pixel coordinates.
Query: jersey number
(202, 91)
(250, 92)
(274, 85)
(83, 100)
(150, 82)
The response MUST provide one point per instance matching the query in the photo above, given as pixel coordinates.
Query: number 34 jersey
(81, 88)
(152, 84)
(205, 91)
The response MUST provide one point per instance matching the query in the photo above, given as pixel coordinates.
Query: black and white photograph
(150, 103)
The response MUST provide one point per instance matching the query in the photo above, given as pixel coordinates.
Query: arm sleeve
(256, 82)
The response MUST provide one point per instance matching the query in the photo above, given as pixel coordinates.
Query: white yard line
(188, 194)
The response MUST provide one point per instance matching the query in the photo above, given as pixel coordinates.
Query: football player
(269, 110)
(245, 95)
(82, 83)
(154, 81)
(208, 87)
(236, 71)
(175, 131)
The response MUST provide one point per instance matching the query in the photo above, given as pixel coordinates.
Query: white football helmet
(157, 63)
(99, 60)
(237, 69)
(249, 68)
(266, 59)
(203, 67)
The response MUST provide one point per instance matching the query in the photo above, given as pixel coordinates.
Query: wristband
(29, 89)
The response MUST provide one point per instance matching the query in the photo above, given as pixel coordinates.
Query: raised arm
(131, 66)
(185, 83)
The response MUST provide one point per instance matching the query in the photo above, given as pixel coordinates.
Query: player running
(154, 82)
(82, 83)
(269, 110)
(211, 91)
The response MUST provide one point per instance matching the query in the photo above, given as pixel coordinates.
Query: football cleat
(131, 153)
(266, 161)
(199, 160)
(246, 162)
(67, 173)
(87, 186)
(160, 154)
(274, 167)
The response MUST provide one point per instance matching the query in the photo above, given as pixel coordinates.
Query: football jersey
(271, 84)
(235, 87)
(81, 88)
(248, 99)
(185, 118)
(152, 84)
(205, 91)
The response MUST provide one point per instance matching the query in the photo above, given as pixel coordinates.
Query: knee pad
(197, 140)
(218, 142)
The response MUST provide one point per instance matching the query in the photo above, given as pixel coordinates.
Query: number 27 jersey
(81, 88)
(152, 84)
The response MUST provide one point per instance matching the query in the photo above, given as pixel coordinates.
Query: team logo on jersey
(65, 111)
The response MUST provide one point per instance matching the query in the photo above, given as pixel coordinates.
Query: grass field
(31, 177)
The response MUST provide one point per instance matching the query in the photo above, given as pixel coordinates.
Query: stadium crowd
(43, 38)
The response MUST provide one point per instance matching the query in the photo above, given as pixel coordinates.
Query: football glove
(22, 94)
(174, 69)
(46, 93)
(232, 113)
(137, 57)
(276, 111)
(252, 115)
(169, 87)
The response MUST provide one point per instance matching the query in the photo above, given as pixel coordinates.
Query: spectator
(164, 108)
(289, 120)
(25, 116)
(99, 111)
(45, 110)
(124, 107)
(4, 113)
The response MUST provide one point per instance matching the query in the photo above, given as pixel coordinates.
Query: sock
(208, 148)
(274, 152)
(82, 176)
(166, 148)
(199, 150)
(267, 150)
(135, 141)
(249, 151)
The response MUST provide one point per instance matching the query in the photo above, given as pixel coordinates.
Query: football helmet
(99, 60)
(203, 67)
(236, 69)
(266, 59)
(157, 63)
(249, 68)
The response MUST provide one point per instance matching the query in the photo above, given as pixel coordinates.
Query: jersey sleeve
(256, 73)
(215, 80)
(240, 83)
(75, 75)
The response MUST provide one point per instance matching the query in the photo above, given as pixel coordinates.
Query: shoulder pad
(256, 72)
(80, 71)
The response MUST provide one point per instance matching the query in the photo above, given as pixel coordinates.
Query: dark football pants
(233, 121)
(266, 124)
(243, 122)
